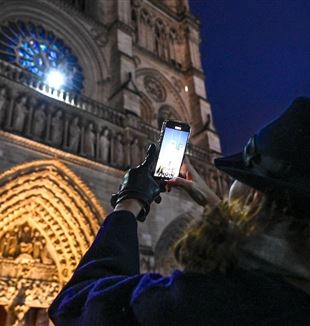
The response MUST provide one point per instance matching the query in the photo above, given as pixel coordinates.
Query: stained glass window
(40, 52)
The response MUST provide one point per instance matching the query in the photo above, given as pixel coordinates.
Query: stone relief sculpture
(89, 141)
(135, 153)
(3, 100)
(119, 156)
(57, 128)
(74, 135)
(20, 114)
(39, 121)
(22, 243)
(104, 145)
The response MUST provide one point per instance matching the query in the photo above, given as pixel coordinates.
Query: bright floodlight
(55, 79)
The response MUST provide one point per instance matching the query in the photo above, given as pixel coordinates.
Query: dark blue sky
(256, 57)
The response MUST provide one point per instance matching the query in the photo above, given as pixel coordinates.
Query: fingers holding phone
(172, 145)
(190, 180)
(176, 171)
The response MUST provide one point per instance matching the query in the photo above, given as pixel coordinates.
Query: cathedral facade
(84, 88)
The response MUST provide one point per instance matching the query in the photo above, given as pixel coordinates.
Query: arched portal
(165, 262)
(48, 219)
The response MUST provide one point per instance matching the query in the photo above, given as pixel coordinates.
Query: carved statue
(37, 246)
(135, 153)
(104, 145)
(4, 245)
(25, 233)
(89, 141)
(9, 245)
(57, 129)
(20, 114)
(45, 256)
(74, 135)
(25, 239)
(39, 123)
(3, 99)
(25, 243)
(119, 150)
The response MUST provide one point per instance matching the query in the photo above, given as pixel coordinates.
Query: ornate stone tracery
(48, 219)
(154, 89)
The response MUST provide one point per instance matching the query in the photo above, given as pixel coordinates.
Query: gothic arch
(75, 34)
(173, 98)
(61, 215)
(163, 254)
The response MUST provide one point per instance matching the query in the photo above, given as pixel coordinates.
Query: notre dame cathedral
(84, 88)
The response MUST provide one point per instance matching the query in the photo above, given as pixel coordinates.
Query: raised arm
(111, 265)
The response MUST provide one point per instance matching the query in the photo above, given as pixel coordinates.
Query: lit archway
(48, 219)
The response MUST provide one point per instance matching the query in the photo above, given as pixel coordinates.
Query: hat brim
(234, 166)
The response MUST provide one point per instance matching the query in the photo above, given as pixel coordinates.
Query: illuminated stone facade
(63, 152)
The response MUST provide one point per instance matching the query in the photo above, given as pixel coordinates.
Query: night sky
(256, 57)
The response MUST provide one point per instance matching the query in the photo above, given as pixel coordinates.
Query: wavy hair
(213, 242)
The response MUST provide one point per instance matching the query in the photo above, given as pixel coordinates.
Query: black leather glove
(138, 183)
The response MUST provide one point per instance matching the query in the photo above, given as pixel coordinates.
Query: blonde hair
(213, 242)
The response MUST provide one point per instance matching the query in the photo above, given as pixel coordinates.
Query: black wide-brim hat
(277, 158)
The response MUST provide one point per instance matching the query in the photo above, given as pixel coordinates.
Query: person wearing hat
(245, 261)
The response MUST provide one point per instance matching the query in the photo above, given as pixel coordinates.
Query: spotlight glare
(55, 79)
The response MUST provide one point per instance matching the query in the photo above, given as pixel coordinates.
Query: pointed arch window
(39, 51)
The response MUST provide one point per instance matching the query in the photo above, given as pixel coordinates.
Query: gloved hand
(138, 183)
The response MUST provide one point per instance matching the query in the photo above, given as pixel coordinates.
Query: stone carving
(135, 153)
(39, 123)
(8, 244)
(104, 145)
(119, 155)
(24, 243)
(3, 100)
(57, 128)
(20, 113)
(154, 89)
(28, 275)
(74, 134)
(89, 141)
(37, 292)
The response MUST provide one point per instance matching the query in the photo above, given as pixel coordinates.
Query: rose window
(40, 52)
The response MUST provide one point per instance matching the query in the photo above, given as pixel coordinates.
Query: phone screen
(172, 151)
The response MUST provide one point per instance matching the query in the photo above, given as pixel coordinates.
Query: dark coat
(107, 289)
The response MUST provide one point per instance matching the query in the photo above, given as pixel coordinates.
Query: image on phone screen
(171, 153)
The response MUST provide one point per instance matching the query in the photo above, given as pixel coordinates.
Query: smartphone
(172, 146)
